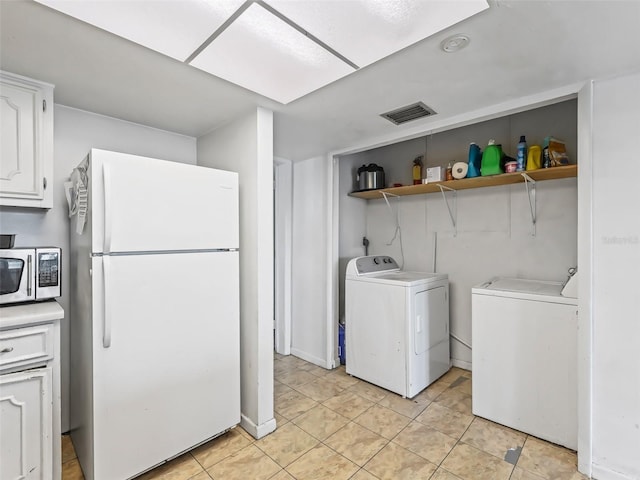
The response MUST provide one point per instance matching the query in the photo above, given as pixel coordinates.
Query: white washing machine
(396, 325)
(525, 357)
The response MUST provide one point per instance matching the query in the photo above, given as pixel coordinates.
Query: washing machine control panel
(375, 264)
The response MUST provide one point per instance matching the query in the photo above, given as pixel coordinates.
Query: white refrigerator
(155, 361)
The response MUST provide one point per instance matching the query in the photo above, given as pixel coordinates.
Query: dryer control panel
(375, 264)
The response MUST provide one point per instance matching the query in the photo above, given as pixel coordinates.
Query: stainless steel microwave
(29, 274)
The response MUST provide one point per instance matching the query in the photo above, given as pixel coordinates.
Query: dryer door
(431, 319)
(429, 358)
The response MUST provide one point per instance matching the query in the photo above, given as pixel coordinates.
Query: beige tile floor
(333, 426)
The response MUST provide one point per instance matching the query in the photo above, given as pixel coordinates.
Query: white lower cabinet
(26, 142)
(26, 418)
(30, 436)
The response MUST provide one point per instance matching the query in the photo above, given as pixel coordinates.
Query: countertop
(26, 314)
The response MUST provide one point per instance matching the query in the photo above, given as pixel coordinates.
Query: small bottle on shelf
(449, 172)
(416, 170)
(521, 155)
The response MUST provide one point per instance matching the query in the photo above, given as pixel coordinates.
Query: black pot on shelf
(370, 177)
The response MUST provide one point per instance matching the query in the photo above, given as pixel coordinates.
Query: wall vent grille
(408, 113)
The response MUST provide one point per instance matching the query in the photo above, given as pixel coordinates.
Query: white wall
(246, 146)
(494, 230)
(352, 219)
(75, 133)
(309, 262)
(353, 211)
(494, 238)
(585, 287)
(615, 242)
(283, 206)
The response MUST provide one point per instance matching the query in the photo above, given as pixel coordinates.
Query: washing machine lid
(540, 290)
(404, 278)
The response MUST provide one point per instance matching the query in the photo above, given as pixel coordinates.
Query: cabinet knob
(6, 350)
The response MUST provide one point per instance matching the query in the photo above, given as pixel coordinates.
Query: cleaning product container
(521, 156)
(491, 159)
(534, 157)
(475, 160)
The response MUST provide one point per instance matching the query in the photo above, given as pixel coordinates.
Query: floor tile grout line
(388, 441)
(344, 391)
(525, 469)
(223, 458)
(426, 459)
(458, 441)
(476, 448)
(359, 466)
(282, 469)
(348, 459)
(475, 417)
(366, 428)
(294, 460)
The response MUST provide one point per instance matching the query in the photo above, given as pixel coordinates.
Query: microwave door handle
(29, 280)
(106, 273)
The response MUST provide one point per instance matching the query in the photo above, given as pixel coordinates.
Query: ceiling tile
(172, 27)
(264, 54)
(365, 31)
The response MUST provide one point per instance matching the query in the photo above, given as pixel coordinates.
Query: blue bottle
(521, 157)
(475, 158)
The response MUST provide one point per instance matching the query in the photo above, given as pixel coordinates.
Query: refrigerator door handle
(106, 269)
(106, 178)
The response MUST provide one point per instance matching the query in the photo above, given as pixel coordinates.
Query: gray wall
(75, 133)
(494, 229)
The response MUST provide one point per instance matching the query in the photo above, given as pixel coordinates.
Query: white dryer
(396, 325)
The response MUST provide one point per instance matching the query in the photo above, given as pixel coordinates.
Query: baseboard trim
(461, 364)
(321, 362)
(257, 431)
(601, 473)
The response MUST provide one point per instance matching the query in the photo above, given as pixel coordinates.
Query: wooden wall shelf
(476, 182)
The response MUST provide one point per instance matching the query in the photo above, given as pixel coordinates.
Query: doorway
(282, 248)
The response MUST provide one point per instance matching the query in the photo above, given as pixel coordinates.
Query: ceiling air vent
(408, 113)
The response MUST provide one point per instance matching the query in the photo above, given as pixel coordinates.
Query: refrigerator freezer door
(170, 376)
(141, 204)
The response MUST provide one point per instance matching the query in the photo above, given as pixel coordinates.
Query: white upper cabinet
(26, 142)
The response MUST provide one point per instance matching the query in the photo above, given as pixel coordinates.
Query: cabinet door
(19, 167)
(26, 418)
(26, 141)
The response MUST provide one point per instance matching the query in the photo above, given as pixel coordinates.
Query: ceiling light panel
(173, 27)
(365, 31)
(262, 53)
